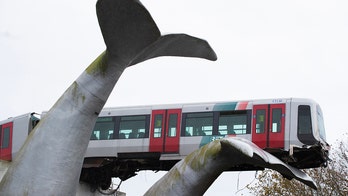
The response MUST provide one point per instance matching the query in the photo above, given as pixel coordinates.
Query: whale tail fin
(194, 174)
(131, 34)
(177, 45)
(239, 147)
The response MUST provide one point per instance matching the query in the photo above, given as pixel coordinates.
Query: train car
(13, 132)
(128, 139)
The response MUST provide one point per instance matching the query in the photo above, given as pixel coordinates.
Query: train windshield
(321, 127)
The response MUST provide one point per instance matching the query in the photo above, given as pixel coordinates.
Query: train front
(311, 150)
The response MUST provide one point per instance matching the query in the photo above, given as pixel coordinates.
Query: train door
(165, 131)
(268, 125)
(6, 141)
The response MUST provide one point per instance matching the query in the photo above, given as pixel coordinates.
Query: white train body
(129, 139)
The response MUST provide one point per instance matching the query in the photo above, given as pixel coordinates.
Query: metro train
(126, 140)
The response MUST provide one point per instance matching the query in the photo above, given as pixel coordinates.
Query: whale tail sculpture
(131, 34)
(196, 172)
(50, 161)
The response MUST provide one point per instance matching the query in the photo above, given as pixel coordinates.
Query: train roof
(186, 107)
(10, 119)
(202, 106)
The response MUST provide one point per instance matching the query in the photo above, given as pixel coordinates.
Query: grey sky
(266, 49)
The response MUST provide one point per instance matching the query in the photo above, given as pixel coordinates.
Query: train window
(304, 125)
(232, 123)
(276, 120)
(5, 138)
(304, 120)
(34, 122)
(199, 124)
(103, 129)
(260, 121)
(173, 119)
(157, 132)
(133, 127)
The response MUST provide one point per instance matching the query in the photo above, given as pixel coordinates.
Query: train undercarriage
(98, 172)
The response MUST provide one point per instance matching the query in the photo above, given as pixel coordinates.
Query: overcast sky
(265, 49)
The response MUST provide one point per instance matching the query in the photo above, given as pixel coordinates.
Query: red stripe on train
(242, 105)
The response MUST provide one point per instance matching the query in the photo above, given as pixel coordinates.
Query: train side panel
(19, 128)
(111, 148)
(189, 144)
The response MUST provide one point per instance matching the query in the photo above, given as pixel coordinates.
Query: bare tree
(332, 180)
